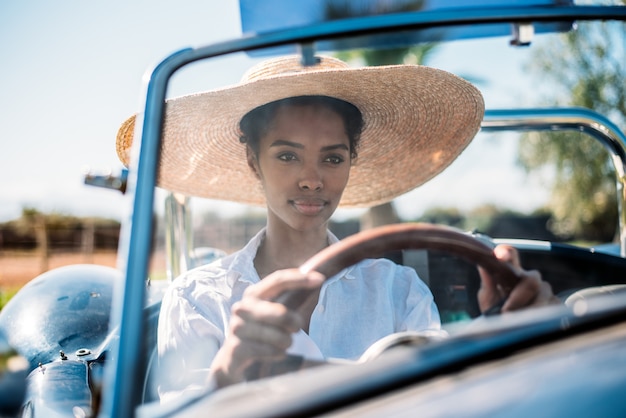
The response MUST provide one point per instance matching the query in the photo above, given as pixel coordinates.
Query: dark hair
(255, 124)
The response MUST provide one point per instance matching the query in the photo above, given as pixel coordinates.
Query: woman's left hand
(530, 291)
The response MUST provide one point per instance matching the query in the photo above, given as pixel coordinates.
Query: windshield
(262, 155)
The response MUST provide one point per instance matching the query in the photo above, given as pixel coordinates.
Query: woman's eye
(287, 157)
(335, 159)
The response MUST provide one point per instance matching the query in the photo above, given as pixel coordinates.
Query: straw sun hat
(417, 120)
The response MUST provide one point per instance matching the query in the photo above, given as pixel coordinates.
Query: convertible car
(80, 340)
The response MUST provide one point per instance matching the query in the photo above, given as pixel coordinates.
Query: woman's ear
(253, 162)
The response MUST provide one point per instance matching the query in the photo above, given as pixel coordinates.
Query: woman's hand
(260, 329)
(531, 290)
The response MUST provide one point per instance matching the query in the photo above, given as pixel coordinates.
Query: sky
(72, 72)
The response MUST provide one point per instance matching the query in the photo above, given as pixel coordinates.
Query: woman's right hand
(259, 328)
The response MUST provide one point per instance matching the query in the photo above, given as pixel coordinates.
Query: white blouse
(356, 307)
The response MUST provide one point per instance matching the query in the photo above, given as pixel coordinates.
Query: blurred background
(73, 72)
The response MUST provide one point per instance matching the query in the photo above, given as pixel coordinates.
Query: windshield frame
(122, 385)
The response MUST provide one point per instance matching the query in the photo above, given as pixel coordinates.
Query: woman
(302, 129)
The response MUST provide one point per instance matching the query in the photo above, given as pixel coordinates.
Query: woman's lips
(309, 206)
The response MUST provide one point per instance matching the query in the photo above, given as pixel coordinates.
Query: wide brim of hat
(417, 121)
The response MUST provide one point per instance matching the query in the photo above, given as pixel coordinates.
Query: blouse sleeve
(187, 343)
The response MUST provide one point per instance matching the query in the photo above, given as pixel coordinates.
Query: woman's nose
(310, 179)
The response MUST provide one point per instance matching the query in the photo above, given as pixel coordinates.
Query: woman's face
(303, 165)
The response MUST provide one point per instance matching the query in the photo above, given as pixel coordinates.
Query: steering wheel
(378, 241)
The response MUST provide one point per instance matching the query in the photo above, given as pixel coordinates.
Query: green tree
(587, 67)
